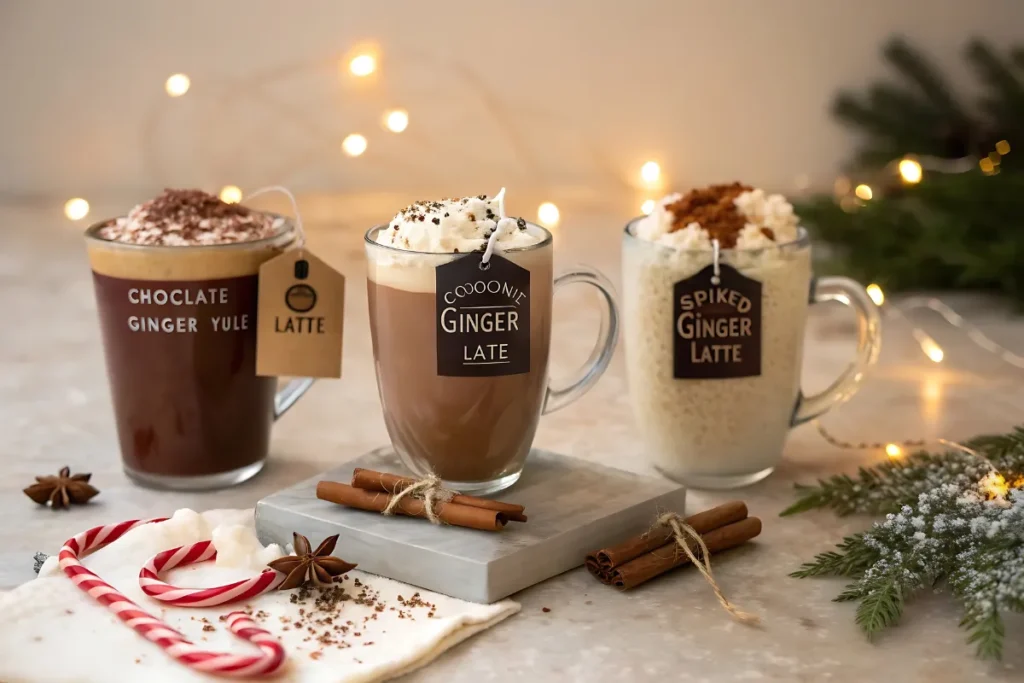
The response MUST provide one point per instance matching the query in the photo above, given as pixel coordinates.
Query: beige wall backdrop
(557, 98)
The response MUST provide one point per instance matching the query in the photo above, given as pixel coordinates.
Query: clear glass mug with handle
(461, 352)
(714, 368)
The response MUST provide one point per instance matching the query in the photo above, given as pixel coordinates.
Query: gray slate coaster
(573, 507)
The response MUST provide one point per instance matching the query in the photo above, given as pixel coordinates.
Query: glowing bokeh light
(76, 209)
(548, 214)
(354, 145)
(231, 194)
(396, 120)
(177, 85)
(910, 171)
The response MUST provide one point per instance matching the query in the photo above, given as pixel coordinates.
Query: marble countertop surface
(55, 410)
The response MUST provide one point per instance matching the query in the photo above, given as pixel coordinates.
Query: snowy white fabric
(52, 631)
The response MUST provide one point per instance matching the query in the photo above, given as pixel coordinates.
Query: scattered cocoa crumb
(208, 628)
(545, 609)
(316, 655)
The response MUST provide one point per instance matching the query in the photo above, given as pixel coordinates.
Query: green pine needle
(940, 529)
(881, 608)
(987, 634)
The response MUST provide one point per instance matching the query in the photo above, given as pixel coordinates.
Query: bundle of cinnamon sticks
(374, 491)
(654, 552)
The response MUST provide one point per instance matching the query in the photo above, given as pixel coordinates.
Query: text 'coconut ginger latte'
(460, 312)
(716, 286)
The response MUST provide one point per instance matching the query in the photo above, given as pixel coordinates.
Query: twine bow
(680, 531)
(429, 490)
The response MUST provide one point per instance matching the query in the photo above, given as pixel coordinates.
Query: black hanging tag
(717, 330)
(483, 317)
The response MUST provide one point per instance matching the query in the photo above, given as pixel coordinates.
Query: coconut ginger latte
(716, 288)
(460, 299)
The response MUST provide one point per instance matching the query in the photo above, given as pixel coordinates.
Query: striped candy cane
(149, 579)
(271, 653)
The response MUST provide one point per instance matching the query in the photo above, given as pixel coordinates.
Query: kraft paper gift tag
(300, 317)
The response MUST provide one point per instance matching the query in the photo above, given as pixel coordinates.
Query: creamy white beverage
(714, 354)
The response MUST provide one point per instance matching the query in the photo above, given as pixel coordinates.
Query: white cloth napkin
(51, 631)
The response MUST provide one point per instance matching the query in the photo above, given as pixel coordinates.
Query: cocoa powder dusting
(714, 209)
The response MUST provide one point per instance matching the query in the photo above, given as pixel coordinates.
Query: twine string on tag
(681, 531)
(300, 233)
(716, 258)
(492, 240)
(429, 490)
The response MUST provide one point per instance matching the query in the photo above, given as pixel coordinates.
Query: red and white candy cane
(175, 644)
(149, 579)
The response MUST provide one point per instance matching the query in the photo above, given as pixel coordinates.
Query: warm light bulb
(76, 209)
(354, 145)
(893, 451)
(362, 65)
(177, 85)
(994, 486)
(650, 172)
(396, 120)
(231, 194)
(864, 192)
(910, 170)
(1003, 147)
(929, 347)
(547, 214)
(876, 294)
(647, 206)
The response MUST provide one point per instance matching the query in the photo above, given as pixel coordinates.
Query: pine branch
(881, 607)
(855, 557)
(915, 68)
(1005, 102)
(986, 634)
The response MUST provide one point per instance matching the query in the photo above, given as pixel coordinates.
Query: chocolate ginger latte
(176, 292)
(460, 303)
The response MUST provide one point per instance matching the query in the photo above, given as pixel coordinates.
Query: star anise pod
(317, 566)
(63, 490)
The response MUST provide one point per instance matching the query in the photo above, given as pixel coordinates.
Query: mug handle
(869, 342)
(607, 338)
(290, 393)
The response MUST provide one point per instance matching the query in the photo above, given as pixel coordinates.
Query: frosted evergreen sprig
(951, 520)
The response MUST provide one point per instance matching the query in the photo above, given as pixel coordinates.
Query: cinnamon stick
(657, 562)
(385, 482)
(449, 513)
(603, 561)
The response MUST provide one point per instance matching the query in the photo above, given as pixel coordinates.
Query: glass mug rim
(287, 229)
(803, 239)
(368, 238)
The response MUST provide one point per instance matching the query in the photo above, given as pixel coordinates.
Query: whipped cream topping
(457, 226)
(768, 220)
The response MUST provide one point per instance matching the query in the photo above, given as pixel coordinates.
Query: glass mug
(461, 354)
(179, 335)
(714, 368)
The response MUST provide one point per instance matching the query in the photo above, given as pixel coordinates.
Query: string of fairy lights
(355, 144)
(910, 169)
